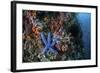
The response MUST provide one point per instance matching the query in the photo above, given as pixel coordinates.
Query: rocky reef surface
(51, 36)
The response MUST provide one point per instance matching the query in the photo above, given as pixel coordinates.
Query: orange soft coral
(36, 30)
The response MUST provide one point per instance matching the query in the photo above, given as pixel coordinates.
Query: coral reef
(51, 36)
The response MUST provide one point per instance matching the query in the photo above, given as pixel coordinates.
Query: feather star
(49, 43)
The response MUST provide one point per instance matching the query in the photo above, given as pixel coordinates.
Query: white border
(38, 65)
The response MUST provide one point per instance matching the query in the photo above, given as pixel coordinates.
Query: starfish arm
(54, 42)
(53, 50)
(43, 38)
(49, 38)
(44, 50)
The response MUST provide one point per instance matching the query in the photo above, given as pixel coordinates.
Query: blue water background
(85, 23)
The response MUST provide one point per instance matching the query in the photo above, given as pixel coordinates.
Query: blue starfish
(49, 43)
